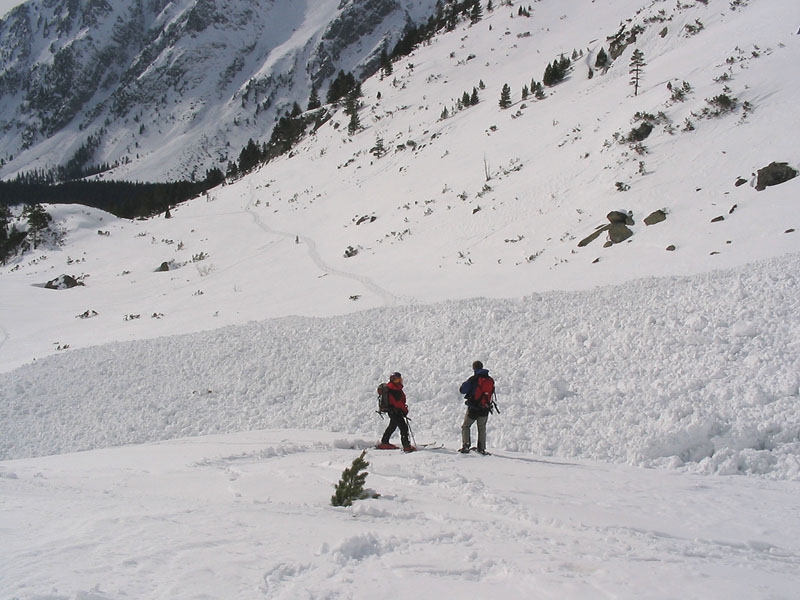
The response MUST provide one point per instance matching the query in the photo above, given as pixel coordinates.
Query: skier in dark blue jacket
(478, 391)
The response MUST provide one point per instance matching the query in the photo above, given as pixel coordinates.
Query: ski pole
(494, 402)
(410, 431)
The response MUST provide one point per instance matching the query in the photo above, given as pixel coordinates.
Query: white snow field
(248, 516)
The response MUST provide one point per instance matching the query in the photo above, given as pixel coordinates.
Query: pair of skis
(430, 446)
(475, 449)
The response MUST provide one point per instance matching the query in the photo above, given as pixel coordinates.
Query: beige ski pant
(467, 425)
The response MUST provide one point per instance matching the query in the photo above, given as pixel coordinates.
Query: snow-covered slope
(698, 373)
(248, 516)
(487, 202)
(215, 404)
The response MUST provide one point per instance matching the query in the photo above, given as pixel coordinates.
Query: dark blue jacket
(468, 389)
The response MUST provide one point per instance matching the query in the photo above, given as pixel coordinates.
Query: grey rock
(618, 232)
(618, 216)
(63, 282)
(657, 216)
(774, 173)
(590, 238)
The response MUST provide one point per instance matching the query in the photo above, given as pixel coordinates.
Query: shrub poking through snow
(351, 485)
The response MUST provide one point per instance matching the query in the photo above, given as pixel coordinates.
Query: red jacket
(397, 398)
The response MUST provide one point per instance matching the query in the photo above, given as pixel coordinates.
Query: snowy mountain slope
(486, 202)
(273, 244)
(171, 89)
(698, 373)
(263, 343)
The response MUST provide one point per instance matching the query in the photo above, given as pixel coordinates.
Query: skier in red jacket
(397, 415)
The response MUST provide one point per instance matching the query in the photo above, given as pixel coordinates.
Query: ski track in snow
(481, 518)
(387, 297)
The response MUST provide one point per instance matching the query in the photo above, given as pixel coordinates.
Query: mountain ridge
(116, 79)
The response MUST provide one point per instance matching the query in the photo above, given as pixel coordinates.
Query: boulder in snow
(63, 282)
(773, 174)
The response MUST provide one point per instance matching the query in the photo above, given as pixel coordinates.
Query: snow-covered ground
(697, 377)
(248, 516)
(700, 373)
(178, 434)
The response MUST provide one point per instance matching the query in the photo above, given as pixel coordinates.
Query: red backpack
(484, 390)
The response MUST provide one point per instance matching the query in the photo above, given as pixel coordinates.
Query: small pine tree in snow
(473, 99)
(379, 149)
(351, 108)
(601, 62)
(351, 485)
(505, 96)
(547, 78)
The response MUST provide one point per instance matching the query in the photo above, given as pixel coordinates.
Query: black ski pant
(397, 420)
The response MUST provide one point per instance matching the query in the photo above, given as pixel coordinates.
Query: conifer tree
(6, 234)
(249, 157)
(473, 99)
(351, 108)
(548, 78)
(386, 63)
(313, 100)
(476, 13)
(38, 221)
(5, 219)
(351, 485)
(601, 62)
(636, 65)
(379, 149)
(505, 96)
(342, 86)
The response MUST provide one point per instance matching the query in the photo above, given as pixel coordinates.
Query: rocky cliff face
(90, 82)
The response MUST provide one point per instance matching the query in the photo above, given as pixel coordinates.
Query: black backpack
(383, 398)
